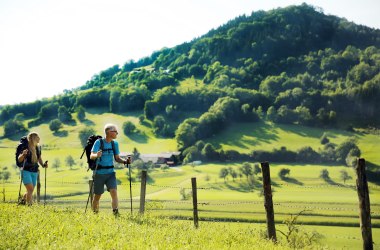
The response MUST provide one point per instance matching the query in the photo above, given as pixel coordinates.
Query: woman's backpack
(23, 144)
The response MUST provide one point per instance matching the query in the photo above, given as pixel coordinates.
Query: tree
(64, 114)
(141, 119)
(70, 161)
(19, 117)
(13, 127)
(138, 164)
(185, 134)
(84, 134)
(128, 128)
(56, 164)
(81, 114)
(343, 149)
(284, 173)
(256, 169)
(55, 125)
(304, 116)
(324, 174)
(48, 110)
(170, 111)
(185, 195)
(259, 112)
(272, 114)
(200, 145)
(307, 154)
(351, 158)
(136, 154)
(324, 140)
(5, 174)
(233, 173)
(344, 176)
(223, 173)
(209, 153)
(191, 154)
(160, 127)
(246, 169)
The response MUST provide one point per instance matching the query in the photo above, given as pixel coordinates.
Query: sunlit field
(329, 208)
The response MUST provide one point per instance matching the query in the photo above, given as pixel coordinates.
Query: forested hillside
(291, 65)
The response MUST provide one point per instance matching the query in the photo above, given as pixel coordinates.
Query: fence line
(371, 187)
(361, 187)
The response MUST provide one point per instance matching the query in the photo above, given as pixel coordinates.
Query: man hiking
(104, 151)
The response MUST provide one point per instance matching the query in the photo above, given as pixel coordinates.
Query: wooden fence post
(142, 192)
(91, 191)
(38, 187)
(195, 201)
(364, 204)
(271, 229)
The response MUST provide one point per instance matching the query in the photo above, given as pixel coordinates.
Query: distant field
(243, 137)
(246, 137)
(329, 207)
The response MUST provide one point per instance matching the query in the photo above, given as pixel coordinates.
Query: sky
(48, 46)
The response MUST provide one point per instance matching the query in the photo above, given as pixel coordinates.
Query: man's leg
(115, 199)
(95, 203)
(98, 191)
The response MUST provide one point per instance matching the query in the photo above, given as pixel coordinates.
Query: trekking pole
(92, 186)
(45, 183)
(130, 180)
(19, 191)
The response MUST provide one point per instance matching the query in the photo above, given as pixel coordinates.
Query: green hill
(287, 67)
(291, 86)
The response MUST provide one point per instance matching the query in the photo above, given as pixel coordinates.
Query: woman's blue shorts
(29, 177)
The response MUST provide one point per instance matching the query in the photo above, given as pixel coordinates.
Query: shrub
(284, 173)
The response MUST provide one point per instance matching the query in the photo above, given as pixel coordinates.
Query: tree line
(291, 65)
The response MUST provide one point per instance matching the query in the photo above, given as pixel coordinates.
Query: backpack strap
(113, 150)
(101, 144)
(113, 147)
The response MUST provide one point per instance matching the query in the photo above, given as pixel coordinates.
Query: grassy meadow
(329, 208)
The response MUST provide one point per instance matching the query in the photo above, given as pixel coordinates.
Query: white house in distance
(167, 158)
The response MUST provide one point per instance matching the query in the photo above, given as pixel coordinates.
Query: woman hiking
(30, 159)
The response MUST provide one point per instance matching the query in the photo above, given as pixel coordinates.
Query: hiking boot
(22, 202)
(116, 212)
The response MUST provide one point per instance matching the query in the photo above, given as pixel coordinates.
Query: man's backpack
(87, 149)
(23, 144)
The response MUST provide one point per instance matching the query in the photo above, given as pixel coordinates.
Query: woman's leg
(29, 179)
(29, 193)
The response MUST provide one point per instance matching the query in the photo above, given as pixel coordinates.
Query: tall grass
(37, 227)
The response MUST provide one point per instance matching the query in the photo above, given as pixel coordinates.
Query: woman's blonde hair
(33, 144)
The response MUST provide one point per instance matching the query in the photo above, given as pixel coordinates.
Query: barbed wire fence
(81, 196)
(182, 206)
